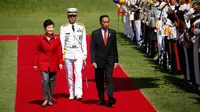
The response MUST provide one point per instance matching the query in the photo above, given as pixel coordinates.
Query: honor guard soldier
(125, 19)
(138, 22)
(131, 3)
(161, 13)
(184, 57)
(193, 48)
(73, 39)
(171, 23)
(130, 20)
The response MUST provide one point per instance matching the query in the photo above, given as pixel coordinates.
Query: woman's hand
(35, 67)
(60, 66)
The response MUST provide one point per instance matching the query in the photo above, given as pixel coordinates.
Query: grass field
(166, 92)
(8, 56)
(32, 24)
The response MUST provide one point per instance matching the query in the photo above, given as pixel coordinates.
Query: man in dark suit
(104, 57)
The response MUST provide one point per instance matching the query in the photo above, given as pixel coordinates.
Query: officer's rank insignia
(79, 30)
(67, 37)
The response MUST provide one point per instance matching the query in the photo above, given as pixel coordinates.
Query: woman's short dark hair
(103, 16)
(47, 22)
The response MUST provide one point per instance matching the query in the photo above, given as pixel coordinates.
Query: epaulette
(65, 25)
(163, 4)
(157, 5)
(80, 24)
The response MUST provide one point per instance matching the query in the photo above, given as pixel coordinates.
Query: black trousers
(101, 75)
(181, 55)
(191, 63)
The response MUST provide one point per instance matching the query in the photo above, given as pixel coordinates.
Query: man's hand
(115, 65)
(84, 64)
(60, 66)
(35, 67)
(94, 65)
(84, 57)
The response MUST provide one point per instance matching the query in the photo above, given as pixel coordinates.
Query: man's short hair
(103, 16)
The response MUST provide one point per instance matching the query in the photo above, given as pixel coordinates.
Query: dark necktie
(73, 28)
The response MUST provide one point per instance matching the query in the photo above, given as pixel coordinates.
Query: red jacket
(49, 54)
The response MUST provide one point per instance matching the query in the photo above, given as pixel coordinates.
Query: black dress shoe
(111, 102)
(101, 102)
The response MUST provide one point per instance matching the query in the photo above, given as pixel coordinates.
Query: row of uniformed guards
(192, 74)
(168, 59)
(173, 52)
(179, 54)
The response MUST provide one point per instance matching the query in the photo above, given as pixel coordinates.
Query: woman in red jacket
(48, 60)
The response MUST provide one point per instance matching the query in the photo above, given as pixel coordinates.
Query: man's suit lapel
(109, 37)
(101, 36)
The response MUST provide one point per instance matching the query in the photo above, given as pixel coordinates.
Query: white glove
(187, 6)
(196, 31)
(191, 11)
(84, 57)
(183, 7)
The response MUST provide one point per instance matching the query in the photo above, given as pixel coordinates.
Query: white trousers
(159, 41)
(74, 89)
(130, 32)
(125, 24)
(138, 30)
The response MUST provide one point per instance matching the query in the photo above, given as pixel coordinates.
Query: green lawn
(166, 92)
(8, 61)
(33, 24)
(18, 17)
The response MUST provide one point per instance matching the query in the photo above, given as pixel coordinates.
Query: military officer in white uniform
(160, 13)
(73, 40)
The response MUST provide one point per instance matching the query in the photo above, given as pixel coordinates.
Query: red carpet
(29, 88)
(8, 37)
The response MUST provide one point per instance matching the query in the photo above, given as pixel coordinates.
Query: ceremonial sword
(84, 64)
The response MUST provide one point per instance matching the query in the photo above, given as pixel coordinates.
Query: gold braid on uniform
(80, 23)
(65, 25)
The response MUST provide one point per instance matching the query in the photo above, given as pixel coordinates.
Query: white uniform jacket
(73, 42)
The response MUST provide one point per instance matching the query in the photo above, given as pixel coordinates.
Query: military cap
(72, 11)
